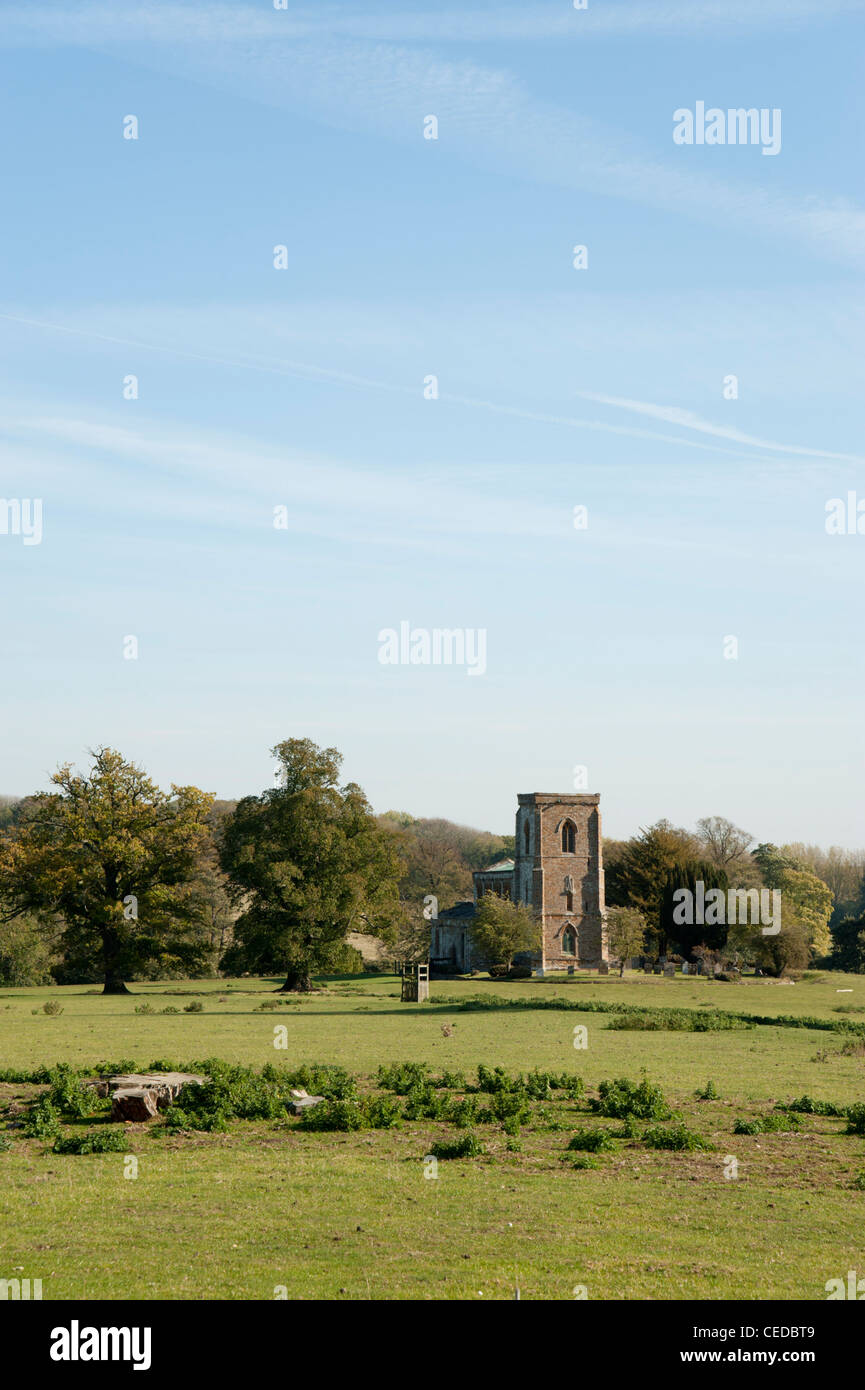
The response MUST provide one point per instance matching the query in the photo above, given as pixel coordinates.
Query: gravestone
(603, 968)
(669, 970)
(686, 969)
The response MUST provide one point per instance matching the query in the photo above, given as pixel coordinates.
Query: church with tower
(557, 870)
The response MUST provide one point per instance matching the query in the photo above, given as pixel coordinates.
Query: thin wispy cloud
(486, 115)
(673, 415)
(107, 22)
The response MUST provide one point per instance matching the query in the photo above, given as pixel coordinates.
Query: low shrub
(93, 1141)
(582, 1160)
(70, 1096)
(709, 1092)
(623, 1097)
(856, 1119)
(495, 1080)
(369, 1112)
(196, 1007)
(52, 1007)
(450, 1081)
(43, 1120)
(630, 1129)
(341, 1115)
(424, 1102)
(402, 1077)
(806, 1105)
(318, 1079)
(468, 1146)
(768, 1124)
(596, 1141)
(677, 1137)
(463, 1113)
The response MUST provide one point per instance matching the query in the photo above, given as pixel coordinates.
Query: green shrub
(334, 1083)
(582, 1160)
(510, 1108)
(52, 1007)
(596, 1141)
(342, 1115)
(806, 1105)
(677, 1137)
(70, 1096)
(622, 1097)
(43, 1121)
(402, 1077)
(630, 1129)
(145, 1008)
(678, 1021)
(450, 1081)
(858, 1182)
(368, 1112)
(170, 1009)
(468, 1146)
(709, 1092)
(424, 1102)
(382, 1112)
(768, 1124)
(463, 1113)
(93, 1141)
(856, 1119)
(494, 1080)
(5, 1143)
(196, 1007)
(537, 1085)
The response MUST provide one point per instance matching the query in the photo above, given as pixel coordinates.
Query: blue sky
(303, 388)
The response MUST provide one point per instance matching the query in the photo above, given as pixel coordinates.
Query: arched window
(526, 835)
(569, 837)
(569, 941)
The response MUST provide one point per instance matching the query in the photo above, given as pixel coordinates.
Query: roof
(503, 866)
(463, 909)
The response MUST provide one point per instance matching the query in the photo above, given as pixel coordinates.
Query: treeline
(108, 878)
(821, 894)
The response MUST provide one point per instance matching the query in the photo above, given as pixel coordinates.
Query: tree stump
(134, 1103)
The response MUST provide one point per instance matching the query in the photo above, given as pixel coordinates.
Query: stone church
(557, 869)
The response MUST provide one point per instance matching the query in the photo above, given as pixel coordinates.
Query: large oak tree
(308, 863)
(108, 857)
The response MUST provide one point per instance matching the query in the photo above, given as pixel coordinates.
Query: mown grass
(268, 1204)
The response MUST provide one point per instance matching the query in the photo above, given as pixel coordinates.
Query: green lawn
(351, 1215)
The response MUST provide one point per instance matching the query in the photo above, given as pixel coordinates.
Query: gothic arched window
(526, 835)
(569, 941)
(569, 837)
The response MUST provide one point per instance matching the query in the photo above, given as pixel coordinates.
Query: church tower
(558, 870)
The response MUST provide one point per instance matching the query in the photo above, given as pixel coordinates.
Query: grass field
(269, 1206)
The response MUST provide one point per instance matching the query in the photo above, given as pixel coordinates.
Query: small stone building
(557, 869)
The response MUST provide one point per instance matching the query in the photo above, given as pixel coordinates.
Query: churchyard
(696, 1181)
